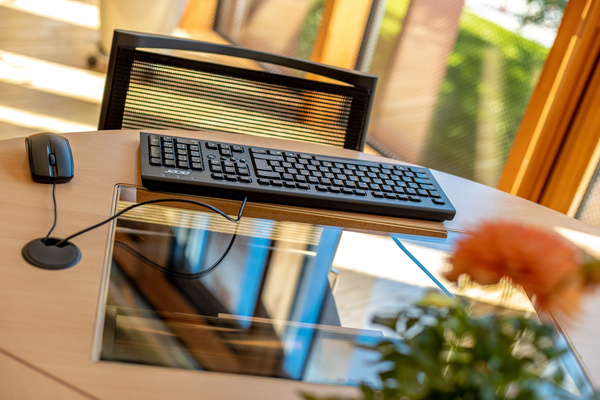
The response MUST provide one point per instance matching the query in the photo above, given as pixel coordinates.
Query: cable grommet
(44, 253)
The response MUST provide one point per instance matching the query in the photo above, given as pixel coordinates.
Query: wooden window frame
(556, 146)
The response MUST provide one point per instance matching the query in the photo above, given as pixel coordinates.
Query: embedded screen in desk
(186, 288)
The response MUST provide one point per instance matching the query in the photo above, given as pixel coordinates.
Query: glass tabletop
(186, 288)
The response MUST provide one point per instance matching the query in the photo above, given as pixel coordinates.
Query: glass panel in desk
(185, 288)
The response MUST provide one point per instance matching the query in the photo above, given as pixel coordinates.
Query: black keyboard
(216, 169)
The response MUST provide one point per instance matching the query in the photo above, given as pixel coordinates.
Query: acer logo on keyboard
(177, 172)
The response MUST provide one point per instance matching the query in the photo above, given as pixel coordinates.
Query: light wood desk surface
(48, 318)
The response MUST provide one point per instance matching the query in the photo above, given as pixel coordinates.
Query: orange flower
(543, 263)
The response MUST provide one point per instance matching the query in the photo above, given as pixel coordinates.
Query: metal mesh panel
(589, 208)
(153, 90)
(452, 103)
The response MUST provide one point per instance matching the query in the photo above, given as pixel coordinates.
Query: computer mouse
(50, 157)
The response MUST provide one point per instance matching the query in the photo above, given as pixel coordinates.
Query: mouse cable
(54, 253)
(123, 211)
(167, 271)
(188, 201)
(176, 274)
(55, 216)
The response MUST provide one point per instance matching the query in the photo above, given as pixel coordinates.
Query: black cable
(123, 211)
(182, 275)
(55, 212)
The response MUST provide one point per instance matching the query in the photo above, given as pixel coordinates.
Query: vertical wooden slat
(579, 153)
(199, 15)
(554, 103)
(341, 32)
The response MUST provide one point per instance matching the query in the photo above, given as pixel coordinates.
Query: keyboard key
(262, 164)
(154, 140)
(155, 152)
(267, 157)
(185, 141)
(268, 174)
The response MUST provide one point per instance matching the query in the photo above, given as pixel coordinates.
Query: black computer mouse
(50, 157)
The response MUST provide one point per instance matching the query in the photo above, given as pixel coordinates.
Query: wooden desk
(48, 318)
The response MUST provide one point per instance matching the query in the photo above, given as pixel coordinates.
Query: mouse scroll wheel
(52, 159)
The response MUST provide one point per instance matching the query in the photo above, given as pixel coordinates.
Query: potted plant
(447, 350)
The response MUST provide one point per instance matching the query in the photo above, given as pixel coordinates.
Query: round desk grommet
(44, 253)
